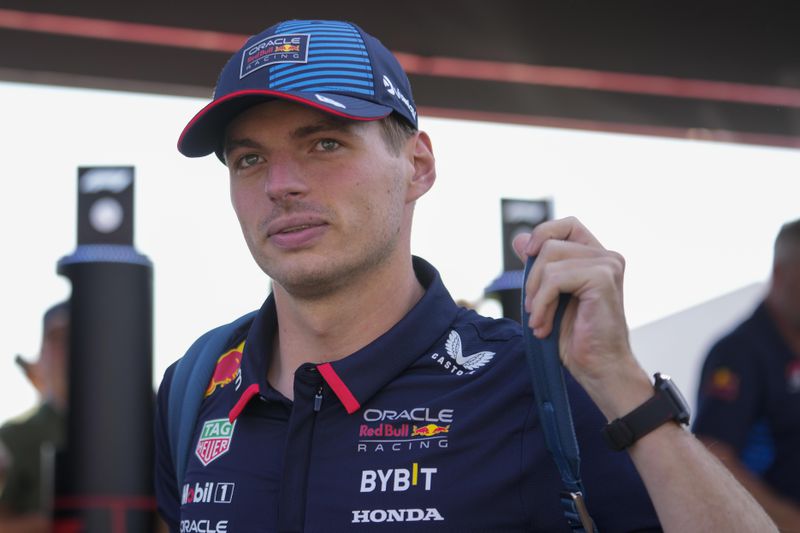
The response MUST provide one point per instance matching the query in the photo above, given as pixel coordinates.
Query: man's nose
(285, 180)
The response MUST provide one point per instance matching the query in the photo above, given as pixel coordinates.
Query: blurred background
(672, 132)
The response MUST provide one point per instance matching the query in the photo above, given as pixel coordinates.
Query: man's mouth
(298, 233)
(301, 227)
(293, 224)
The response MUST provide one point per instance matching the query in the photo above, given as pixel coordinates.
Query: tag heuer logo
(215, 439)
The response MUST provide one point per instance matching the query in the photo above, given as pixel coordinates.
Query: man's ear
(424, 166)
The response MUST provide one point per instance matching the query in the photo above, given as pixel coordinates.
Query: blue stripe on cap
(313, 76)
(335, 63)
(336, 39)
(293, 25)
(293, 74)
(349, 57)
(325, 84)
(337, 56)
(335, 89)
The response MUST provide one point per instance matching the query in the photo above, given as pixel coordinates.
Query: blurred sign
(105, 205)
(520, 216)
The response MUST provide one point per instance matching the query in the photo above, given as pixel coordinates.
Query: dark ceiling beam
(640, 71)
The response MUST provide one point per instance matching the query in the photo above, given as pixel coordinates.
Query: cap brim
(203, 134)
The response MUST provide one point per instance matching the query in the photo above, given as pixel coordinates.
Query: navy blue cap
(332, 66)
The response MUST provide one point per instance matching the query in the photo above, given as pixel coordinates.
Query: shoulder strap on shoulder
(189, 382)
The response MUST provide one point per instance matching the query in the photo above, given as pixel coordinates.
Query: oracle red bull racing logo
(408, 429)
(284, 48)
(227, 369)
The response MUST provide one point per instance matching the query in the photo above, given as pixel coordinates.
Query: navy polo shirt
(749, 398)
(431, 427)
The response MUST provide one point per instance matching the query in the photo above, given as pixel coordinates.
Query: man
(360, 397)
(749, 397)
(23, 499)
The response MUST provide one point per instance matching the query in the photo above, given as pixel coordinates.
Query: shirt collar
(256, 356)
(357, 377)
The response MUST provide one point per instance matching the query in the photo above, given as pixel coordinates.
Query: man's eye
(248, 160)
(328, 145)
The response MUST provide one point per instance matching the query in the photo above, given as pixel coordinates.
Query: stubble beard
(315, 276)
(323, 277)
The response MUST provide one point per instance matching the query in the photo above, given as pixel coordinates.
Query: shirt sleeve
(166, 486)
(729, 392)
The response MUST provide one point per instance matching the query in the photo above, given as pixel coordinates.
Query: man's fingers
(565, 229)
(553, 251)
(571, 276)
(519, 243)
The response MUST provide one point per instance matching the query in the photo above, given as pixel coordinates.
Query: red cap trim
(267, 92)
(339, 388)
(248, 393)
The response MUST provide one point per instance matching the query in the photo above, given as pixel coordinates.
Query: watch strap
(624, 431)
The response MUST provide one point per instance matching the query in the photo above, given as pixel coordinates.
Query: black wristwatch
(668, 404)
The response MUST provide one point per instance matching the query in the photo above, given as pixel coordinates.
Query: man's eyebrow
(245, 142)
(325, 124)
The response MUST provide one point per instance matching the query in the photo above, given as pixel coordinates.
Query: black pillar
(104, 476)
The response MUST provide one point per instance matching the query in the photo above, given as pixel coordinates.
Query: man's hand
(594, 342)
(690, 489)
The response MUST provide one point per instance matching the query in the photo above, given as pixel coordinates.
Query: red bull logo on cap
(227, 369)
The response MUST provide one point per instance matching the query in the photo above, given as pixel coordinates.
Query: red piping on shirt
(339, 388)
(248, 393)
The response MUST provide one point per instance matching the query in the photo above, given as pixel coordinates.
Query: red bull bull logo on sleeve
(227, 369)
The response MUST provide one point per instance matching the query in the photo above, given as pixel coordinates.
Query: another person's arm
(166, 486)
(784, 512)
(730, 397)
(690, 489)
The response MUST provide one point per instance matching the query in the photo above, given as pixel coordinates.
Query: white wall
(694, 219)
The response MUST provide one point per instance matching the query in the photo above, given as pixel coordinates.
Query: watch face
(665, 383)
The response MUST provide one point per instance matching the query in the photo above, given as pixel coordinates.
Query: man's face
(320, 200)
